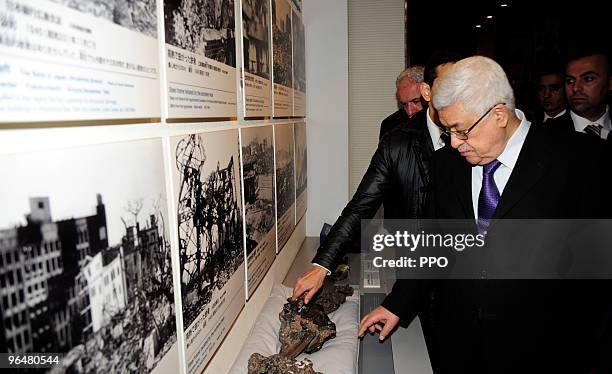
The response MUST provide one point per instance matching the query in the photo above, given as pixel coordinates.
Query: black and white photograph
(258, 180)
(255, 37)
(203, 27)
(136, 15)
(281, 40)
(85, 259)
(201, 58)
(281, 57)
(299, 65)
(299, 53)
(285, 182)
(256, 58)
(301, 179)
(210, 234)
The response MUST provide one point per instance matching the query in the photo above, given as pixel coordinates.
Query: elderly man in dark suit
(499, 166)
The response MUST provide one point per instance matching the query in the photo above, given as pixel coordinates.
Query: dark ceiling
(518, 35)
(523, 27)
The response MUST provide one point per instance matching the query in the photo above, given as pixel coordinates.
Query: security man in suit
(551, 96)
(587, 85)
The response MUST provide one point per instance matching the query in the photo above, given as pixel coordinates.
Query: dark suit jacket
(563, 123)
(398, 118)
(495, 326)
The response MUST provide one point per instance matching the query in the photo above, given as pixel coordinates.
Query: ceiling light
(489, 17)
(478, 26)
(504, 5)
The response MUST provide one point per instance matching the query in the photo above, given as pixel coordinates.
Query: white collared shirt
(435, 132)
(507, 158)
(580, 123)
(547, 117)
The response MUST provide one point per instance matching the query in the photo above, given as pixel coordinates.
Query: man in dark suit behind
(587, 85)
(502, 167)
(408, 96)
(551, 95)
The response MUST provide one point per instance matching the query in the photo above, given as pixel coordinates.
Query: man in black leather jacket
(399, 168)
(409, 100)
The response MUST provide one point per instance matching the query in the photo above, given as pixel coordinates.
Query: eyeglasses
(463, 134)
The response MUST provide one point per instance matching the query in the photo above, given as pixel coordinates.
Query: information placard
(78, 60)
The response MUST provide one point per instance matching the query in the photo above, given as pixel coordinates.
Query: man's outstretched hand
(309, 283)
(380, 319)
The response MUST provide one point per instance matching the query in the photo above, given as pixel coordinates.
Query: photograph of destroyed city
(255, 30)
(300, 158)
(284, 167)
(299, 54)
(207, 183)
(281, 42)
(203, 27)
(258, 174)
(136, 15)
(85, 265)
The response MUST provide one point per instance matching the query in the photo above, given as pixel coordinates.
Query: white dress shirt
(507, 158)
(580, 123)
(547, 117)
(435, 132)
(322, 267)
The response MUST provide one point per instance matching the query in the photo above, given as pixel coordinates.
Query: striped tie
(594, 129)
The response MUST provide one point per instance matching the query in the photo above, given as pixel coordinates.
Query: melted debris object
(331, 296)
(304, 327)
(279, 364)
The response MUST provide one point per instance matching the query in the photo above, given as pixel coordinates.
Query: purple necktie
(489, 196)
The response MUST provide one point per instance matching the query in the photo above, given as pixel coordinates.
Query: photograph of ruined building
(281, 42)
(258, 174)
(299, 54)
(207, 183)
(203, 27)
(255, 30)
(136, 15)
(85, 265)
(301, 180)
(285, 183)
(284, 167)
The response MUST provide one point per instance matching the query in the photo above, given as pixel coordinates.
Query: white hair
(477, 82)
(413, 73)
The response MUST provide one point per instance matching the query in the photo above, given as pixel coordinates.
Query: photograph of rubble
(206, 181)
(281, 42)
(299, 53)
(136, 15)
(85, 261)
(285, 182)
(258, 177)
(301, 160)
(256, 58)
(255, 39)
(203, 27)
